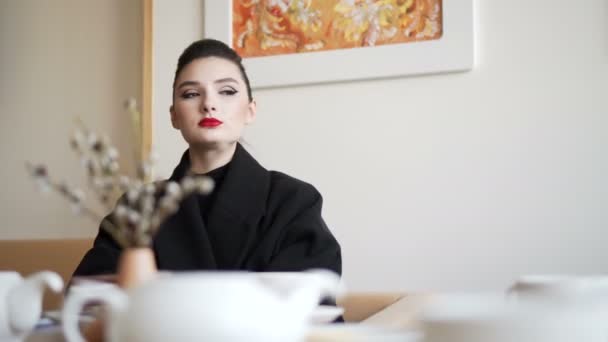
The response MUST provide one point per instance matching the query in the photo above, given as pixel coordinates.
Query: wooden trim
(146, 106)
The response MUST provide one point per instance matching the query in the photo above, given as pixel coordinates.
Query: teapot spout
(24, 301)
(320, 284)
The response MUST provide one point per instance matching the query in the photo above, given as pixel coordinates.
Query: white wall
(454, 181)
(60, 60)
(174, 27)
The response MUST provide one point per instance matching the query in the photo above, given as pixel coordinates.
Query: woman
(255, 219)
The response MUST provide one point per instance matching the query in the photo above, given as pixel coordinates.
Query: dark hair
(211, 48)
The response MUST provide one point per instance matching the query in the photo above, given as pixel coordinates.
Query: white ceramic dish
(55, 316)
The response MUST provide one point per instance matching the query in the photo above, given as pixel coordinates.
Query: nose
(209, 105)
(209, 109)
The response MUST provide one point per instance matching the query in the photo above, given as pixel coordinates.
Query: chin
(211, 144)
(210, 139)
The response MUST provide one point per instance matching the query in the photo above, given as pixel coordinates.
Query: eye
(228, 91)
(189, 94)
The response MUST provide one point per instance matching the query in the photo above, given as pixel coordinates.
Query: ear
(174, 121)
(251, 112)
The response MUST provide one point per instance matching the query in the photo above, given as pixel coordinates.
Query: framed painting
(290, 42)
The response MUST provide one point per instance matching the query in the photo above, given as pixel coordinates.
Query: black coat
(259, 220)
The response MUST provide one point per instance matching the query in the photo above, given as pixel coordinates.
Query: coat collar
(242, 194)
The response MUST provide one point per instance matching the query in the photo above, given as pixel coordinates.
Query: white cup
(489, 317)
(560, 290)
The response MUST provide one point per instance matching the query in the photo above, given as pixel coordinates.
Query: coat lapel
(183, 243)
(238, 207)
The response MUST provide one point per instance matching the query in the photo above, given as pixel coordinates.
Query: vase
(136, 266)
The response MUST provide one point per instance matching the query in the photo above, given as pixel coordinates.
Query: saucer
(55, 317)
(355, 332)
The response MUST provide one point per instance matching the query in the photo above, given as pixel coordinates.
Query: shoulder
(290, 190)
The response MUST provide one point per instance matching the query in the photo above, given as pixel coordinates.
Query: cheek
(240, 119)
(184, 110)
(241, 112)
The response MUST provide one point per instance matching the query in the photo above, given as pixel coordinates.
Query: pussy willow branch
(106, 224)
(113, 183)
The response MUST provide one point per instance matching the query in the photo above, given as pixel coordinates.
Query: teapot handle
(75, 302)
(322, 283)
(330, 284)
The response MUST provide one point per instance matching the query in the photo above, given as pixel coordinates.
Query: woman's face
(210, 103)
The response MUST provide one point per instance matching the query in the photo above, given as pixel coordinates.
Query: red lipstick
(209, 122)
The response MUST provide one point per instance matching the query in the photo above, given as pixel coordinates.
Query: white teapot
(205, 306)
(21, 301)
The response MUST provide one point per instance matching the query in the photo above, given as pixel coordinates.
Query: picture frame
(453, 51)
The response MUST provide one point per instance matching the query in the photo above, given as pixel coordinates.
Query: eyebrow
(195, 83)
(226, 80)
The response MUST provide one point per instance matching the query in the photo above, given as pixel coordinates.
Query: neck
(205, 158)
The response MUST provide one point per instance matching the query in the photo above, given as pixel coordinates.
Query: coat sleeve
(102, 258)
(305, 241)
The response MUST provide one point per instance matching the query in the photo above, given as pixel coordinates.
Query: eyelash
(189, 95)
(227, 92)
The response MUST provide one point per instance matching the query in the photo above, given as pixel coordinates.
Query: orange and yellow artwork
(275, 27)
